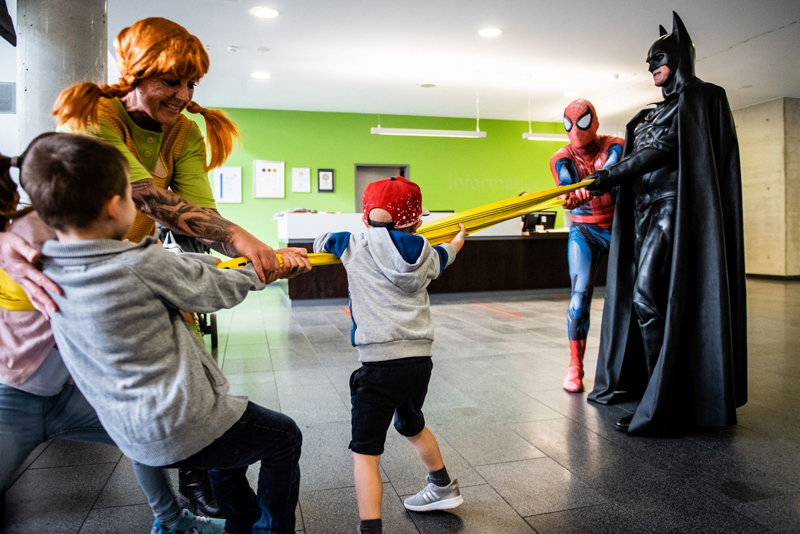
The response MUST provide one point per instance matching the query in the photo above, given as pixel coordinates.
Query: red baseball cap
(402, 198)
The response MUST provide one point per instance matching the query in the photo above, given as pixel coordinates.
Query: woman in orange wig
(160, 63)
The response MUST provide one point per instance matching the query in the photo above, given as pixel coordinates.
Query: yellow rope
(443, 235)
(12, 296)
(474, 220)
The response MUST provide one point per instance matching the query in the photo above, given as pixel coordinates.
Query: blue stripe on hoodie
(440, 250)
(409, 246)
(337, 243)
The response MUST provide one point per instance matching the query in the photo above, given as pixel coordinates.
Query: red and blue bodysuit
(590, 232)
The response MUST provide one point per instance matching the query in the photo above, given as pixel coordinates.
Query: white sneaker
(433, 497)
(192, 524)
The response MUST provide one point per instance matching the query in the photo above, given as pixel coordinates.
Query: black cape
(701, 375)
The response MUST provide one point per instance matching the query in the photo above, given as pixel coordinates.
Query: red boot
(573, 382)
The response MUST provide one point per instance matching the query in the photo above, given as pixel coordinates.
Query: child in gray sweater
(388, 271)
(155, 388)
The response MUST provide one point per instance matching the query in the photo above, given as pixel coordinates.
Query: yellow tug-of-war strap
(437, 236)
(12, 296)
(314, 259)
(474, 220)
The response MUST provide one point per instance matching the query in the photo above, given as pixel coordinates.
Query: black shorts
(381, 390)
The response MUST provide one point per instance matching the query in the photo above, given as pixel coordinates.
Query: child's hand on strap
(458, 240)
(265, 262)
(271, 277)
(295, 261)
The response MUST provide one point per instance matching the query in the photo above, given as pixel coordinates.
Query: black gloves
(602, 182)
(641, 162)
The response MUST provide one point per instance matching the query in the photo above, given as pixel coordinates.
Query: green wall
(454, 174)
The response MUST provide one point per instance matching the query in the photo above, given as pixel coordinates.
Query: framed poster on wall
(301, 180)
(325, 180)
(227, 184)
(268, 179)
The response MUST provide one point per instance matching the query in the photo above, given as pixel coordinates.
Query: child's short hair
(70, 177)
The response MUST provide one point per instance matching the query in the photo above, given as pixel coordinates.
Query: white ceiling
(369, 56)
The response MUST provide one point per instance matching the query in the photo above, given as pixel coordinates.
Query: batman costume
(674, 322)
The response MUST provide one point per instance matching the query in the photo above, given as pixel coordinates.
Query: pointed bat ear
(678, 28)
(662, 31)
(685, 44)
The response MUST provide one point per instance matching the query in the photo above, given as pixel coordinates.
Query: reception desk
(496, 259)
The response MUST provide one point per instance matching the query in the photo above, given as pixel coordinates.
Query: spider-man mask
(580, 121)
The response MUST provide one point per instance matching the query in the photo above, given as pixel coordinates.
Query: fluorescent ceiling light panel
(264, 12)
(416, 132)
(545, 137)
(260, 75)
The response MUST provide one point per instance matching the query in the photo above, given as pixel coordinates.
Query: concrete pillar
(60, 42)
(769, 141)
(792, 151)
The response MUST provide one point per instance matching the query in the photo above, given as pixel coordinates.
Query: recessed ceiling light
(427, 85)
(490, 32)
(572, 94)
(261, 75)
(264, 12)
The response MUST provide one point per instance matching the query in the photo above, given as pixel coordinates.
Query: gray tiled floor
(530, 457)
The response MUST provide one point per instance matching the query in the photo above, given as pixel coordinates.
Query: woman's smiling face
(164, 97)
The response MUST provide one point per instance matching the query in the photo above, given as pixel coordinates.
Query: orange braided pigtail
(76, 106)
(220, 132)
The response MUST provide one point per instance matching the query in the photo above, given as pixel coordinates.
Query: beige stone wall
(761, 133)
(792, 148)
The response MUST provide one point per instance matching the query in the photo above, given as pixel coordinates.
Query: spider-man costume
(590, 233)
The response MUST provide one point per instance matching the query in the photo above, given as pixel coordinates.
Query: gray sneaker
(433, 497)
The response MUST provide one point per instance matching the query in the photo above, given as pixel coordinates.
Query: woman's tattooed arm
(210, 228)
(173, 212)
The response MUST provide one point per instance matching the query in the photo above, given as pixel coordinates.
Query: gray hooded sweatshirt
(155, 388)
(388, 273)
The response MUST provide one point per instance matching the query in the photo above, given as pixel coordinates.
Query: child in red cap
(388, 271)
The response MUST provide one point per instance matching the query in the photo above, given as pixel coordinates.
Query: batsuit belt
(645, 200)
